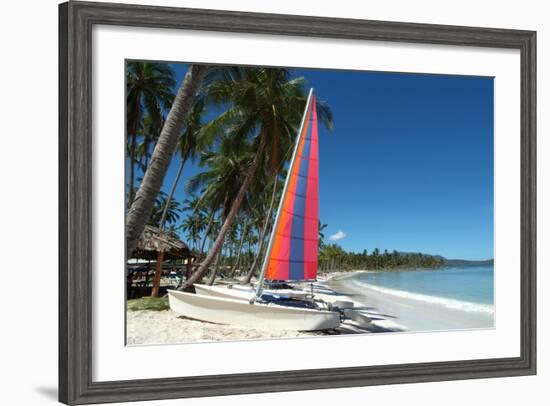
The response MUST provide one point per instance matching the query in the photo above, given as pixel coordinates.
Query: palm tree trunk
(132, 169)
(158, 272)
(188, 268)
(239, 250)
(214, 269)
(262, 236)
(142, 206)
(171, 194)
(203, 268)
(163, 217)
(217, 261)
(208, 227)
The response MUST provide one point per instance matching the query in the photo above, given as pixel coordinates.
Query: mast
(277, 217)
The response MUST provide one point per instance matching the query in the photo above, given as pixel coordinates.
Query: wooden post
(188, 267)
(158, 272)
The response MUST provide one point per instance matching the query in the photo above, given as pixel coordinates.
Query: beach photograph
(275, 202)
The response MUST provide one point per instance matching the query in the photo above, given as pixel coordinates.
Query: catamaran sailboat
(291, 256)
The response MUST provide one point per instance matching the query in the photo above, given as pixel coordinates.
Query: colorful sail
(294, 246)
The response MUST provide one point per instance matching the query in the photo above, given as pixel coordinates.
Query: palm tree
(321, 234)
(266, 107)
(243, 232)
(148, 89)
(207, 232)
(193, 226)
(164, 211)
(216, 261)
(196, 220)
(142, 206)
(149, 132)
(221, 182)
(226, 167)
(263, 232)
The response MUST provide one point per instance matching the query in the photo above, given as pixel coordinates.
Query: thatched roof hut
(153, 240)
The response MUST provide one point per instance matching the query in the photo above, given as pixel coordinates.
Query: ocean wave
(449, 303)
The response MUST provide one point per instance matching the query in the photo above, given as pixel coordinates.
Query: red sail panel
(311, 226)
(293, 254)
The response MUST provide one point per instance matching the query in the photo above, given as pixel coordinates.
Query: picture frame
(76, 384)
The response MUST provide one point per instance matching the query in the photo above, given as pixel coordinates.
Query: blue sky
(409, 164)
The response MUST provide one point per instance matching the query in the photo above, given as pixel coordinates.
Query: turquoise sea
(470, 289)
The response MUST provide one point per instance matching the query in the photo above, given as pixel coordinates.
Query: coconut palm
(207, 232)
(266, 108)
(195, 222)
(321, 234)
(221, 182)
(225, 169)
(149, 132)
(142, 206)
(193, 226)
(263, 222)
(165, 212)
(244, 226)
(148, 90)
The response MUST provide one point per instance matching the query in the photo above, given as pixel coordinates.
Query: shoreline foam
(451, 303)
(405, 308)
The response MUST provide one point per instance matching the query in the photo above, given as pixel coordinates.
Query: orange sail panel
(293, 255)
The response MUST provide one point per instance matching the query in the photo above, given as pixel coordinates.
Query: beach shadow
(346, 329)
(202, 321)
(365, 308)
(49, 392)
(379, 329)
(385, 316)
(331, 292)
(372, 311)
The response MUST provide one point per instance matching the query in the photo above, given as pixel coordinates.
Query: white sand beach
(166, 327)
(388, 314)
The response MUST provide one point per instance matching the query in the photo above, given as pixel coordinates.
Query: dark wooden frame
(75, 181)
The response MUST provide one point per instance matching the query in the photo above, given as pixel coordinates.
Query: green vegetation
(334, 257)
(149, 88)
(148, 303)
(240, 124)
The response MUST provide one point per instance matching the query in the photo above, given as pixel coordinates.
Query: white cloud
(339, 235)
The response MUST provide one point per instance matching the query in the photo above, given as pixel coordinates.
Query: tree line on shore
(236, 261)
(334, 257)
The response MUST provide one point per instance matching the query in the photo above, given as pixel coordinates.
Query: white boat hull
(258, 315)
(246, 292)
(223, 292)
